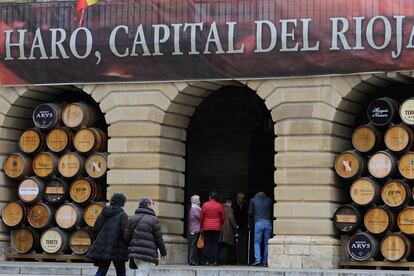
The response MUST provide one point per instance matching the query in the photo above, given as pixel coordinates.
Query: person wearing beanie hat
(143, 234)
(109, 245)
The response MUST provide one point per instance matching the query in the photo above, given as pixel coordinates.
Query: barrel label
(363, 139)
(393, 248)
(406, 166)
(29, 191)
(44, 116)
(380, 112)
(393, 194)
(81, 241)
(407, 111)
(51, 241)
(397, 138)
(55, 190)
(380, 165)
(362, 191)
(347, 165)
(360, 247)
(346, 218)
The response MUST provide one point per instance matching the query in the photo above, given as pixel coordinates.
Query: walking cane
(248, 248)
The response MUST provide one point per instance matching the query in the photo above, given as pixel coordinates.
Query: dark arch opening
(230, 147)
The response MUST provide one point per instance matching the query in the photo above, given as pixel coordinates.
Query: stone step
(74, 269)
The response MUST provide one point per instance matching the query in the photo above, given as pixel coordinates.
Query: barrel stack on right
(60, 178)
(378, 222)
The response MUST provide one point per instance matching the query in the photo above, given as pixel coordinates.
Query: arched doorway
(230, 146)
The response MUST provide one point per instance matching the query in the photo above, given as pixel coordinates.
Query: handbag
(200, 242)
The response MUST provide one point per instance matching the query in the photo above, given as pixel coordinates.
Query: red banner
(171, 40)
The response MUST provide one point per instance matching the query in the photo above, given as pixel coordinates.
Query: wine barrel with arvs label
(379, 220)
(17, 166)
(399, 138)
(406, 165)
(79, 114)
(405, 220)
(382, 164)
(25, 240)
(45, 164)
(80, 241)
(347, 218)
(47, 115)
(349, 164)
(407, 111)
(365, 191)
(54, 240)
(92, 211)
(31, 141)
(31, 190)
(14, 214)
(56, 191)
(71, 164)
(96, 165)
(366, 138)
(382, 111)
(89, 140)
(396, 247)
(396, 193)
(69, 215)
(363, 246)
(59, 140)
(40, 215)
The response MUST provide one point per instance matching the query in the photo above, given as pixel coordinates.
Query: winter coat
(229, 226)
(109, 244)
(194, 220)
(144, 237)
(212, 216)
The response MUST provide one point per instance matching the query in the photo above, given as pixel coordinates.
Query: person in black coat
(144, 237)
(109, 245)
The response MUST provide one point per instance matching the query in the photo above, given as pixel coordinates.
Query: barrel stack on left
(60, 177)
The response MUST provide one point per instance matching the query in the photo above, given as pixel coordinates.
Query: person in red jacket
(211, 219)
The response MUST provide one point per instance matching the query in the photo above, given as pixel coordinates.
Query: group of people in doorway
(226, 229)
(119, 239)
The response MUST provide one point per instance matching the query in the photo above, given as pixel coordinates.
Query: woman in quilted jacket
(109, 245)
(144, 237)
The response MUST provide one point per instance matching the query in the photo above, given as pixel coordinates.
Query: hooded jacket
(109, 244)
(144, 237)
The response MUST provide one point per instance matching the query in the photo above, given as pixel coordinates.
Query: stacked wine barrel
(60, 177)
(379, 170)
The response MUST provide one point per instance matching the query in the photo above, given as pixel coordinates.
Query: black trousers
(211, 248)
(194, 257)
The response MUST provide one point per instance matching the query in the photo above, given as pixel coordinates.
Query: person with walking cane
(260, 211)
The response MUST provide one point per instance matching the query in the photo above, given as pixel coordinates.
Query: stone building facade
(313, 119)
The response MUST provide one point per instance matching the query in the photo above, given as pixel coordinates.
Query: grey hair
(194, 198)
(144, 202)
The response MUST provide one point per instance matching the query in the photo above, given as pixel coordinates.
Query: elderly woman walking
(143, 234)
(194, 229)
(109, 245)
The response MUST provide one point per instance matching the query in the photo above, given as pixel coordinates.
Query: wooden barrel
(399, 138)
(59, 140)
(47, 115)
(56, 191)
(69, 215)
(40, 215)
(396, 246)
(396, 193)
(71, 164)
(79, 114)
(379, 220)
(84, 190)
(363, 246)
(365, 191)
(406, 165)
(31, 190)
(407, 111)
(366, 138)
(54, 240)
(24, 240)
(45, 164)
(382, 164)
(349, 164)
(80, 241)
(347, 218)
(405, 220)
(14, 214)
(88, 140)
(382, 111)
(92, 212)
(31, 141)
(96, 165)
(17, 166)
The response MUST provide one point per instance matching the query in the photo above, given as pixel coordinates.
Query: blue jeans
(104, 267)
(262, 230)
